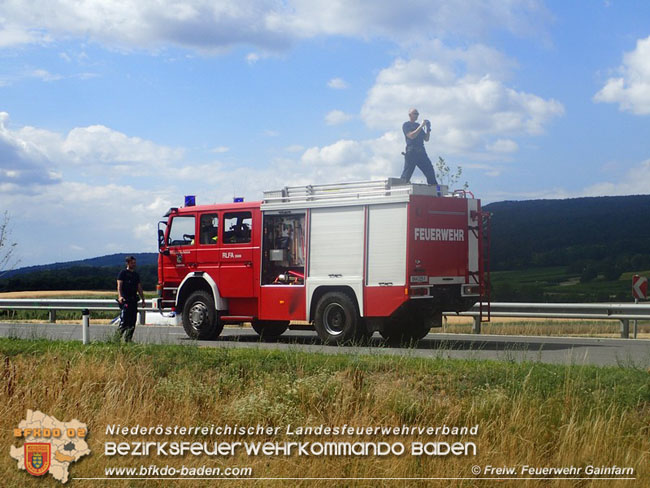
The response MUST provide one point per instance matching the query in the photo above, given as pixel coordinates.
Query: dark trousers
(128, 316)
(418, 157)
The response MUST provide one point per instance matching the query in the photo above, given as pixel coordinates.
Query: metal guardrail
(623, 312)
(52, 305)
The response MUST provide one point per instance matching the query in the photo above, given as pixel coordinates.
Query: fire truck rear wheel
(200, 319)
(336, 320)
(270, 329)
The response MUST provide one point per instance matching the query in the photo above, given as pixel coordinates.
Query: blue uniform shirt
(419, 139)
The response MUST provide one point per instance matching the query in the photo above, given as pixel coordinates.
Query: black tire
(270, 329)
(200, 319)
(337, 320)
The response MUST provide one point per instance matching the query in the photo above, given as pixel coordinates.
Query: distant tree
(7, 247)
(445, 176)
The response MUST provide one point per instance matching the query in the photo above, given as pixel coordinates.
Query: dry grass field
(545, 327)
(527, 414)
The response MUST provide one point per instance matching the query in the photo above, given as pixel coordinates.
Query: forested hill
(573, 232)
(109, 260)
(89, 274)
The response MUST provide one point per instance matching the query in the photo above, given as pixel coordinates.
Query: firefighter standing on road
(128, 289)
(415, 154)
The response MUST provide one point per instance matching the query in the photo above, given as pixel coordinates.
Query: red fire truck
(351, 259)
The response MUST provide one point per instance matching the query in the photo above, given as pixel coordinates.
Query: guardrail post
(476, 329)
(52, 316)
(625, 329)
(85, 315)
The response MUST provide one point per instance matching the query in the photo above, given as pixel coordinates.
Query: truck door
(180, 255)
(236, 255)
(208, 253)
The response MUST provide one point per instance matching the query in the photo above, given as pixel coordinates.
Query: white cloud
(336, 117)
(348, 160)
(11, 35)
(269, 25)
(631, 90)
(8, 79)
(31, 156)
(337, 84)
(468, 112)
(199, 24)
(22, 162)
(636, 181)
(409, 21)
(45, 75)
(221, 149)
(100, 144)
(252, 58)
(503, 146)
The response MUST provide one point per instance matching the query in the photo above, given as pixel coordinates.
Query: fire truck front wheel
(336, 319)
(200, 319)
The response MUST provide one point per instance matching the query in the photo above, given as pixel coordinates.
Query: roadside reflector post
(52, 316)
(625, 328)
(476, 329)
(636, 326)
(85, 316)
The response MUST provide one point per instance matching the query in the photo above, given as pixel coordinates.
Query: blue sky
(111, 111)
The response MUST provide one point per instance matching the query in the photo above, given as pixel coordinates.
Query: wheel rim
(198, 314)
(334, 319)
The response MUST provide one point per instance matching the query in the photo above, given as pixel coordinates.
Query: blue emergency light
(190, 200)
(238, 199)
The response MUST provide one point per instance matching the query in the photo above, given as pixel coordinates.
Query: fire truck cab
(351, 259)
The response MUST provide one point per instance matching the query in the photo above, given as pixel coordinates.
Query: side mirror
(161, 238)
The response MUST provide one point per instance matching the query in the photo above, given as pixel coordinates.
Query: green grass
(527, 413)
(626, 387)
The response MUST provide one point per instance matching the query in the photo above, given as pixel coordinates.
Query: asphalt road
(555, 350)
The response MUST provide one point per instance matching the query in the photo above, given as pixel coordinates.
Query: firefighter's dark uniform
(415, 155)
(130, 281)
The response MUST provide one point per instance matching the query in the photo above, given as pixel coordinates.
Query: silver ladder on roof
(357, 190)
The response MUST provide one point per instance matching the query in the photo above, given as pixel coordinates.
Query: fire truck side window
(283, 257)
(182, 231)
(237, 227)
(209, 229)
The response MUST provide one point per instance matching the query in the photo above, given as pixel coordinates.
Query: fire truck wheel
(336, 319)
(270, 329)
(200, 319)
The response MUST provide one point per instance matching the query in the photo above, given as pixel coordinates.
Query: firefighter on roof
(415, 154)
